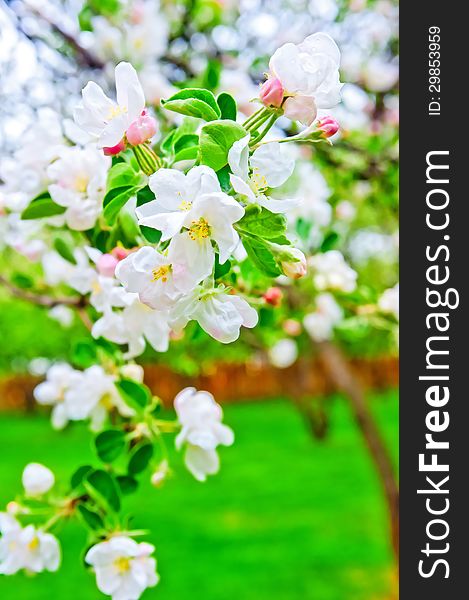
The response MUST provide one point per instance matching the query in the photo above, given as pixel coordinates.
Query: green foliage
(41, 207)
(122, 183)
(140, 459)
(259, 229)
(227, 105)
(103, 488)
(136, 395)
(110, 444)
(216, 139)
(194, 102)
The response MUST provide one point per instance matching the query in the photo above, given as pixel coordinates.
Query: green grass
(287, 518)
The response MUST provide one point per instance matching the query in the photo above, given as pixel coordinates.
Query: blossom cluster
(144, 218)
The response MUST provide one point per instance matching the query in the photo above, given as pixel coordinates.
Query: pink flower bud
(271, 92)
(106, 265)
(120, 253)
(328, 126)
(292, 327)
(273, 296)
(141, 130)
(114, 150)
(295, 268)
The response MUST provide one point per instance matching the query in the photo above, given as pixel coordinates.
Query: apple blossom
(107, 264)
(221, 315)
(26, 548)
(106, 119)
(133, 325)
(331, 272)
(92, 395)
(273, 296)
(309, 74)
(195, 203)
(202, 431)
(124, 568)
(294, 263)
(114, 150)
(320, 324)
(328, 126)
(51, 392)
(389, 301)
(37, 479)
(269, 167)
(283, 354)
(78, 182)
(271, 92)
(158, 278)
(142, 129)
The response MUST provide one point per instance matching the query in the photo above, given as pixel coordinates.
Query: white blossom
(78, 182)
(37, 479)
(309, 74)
(196, 204)
(124, 568)
(283, 353)
(389, 301)
(221, 315)
(331, 272)
(320, 324)
(158, 278)
(133, 325)
(269, 167)
(26, 548)
(202, 431)
(51, 392)
(106, 119)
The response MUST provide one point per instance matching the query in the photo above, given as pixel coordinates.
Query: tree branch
(41, 299)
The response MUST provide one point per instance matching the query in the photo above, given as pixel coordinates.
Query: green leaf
(194, 102)
(64, 250)
(110, 444)
(330, 241)
(91, 518)
(104, 486)
(41, 207)
(227, 105)
(223, 175)
(263, 224)
(122, 175)
(144, 195)
(216, 140)
(127, 484)
(84, 353)
(79, 475)
(261, 256)
(117, 198)
(151, 235)
(190, 153)
(221, 270)
(211, 76)
(140, 459)
(135, 394)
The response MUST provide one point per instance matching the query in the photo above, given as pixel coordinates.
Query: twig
(40, 299)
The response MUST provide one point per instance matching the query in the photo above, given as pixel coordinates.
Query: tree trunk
(341, 375)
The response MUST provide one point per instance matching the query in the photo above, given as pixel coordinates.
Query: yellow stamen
(34, 543)
(259, 181)
(199, 230)
(81, 183)
(161, 273)
(122, 564)
(116, 111)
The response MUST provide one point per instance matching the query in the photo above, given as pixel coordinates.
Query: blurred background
(301, 508)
